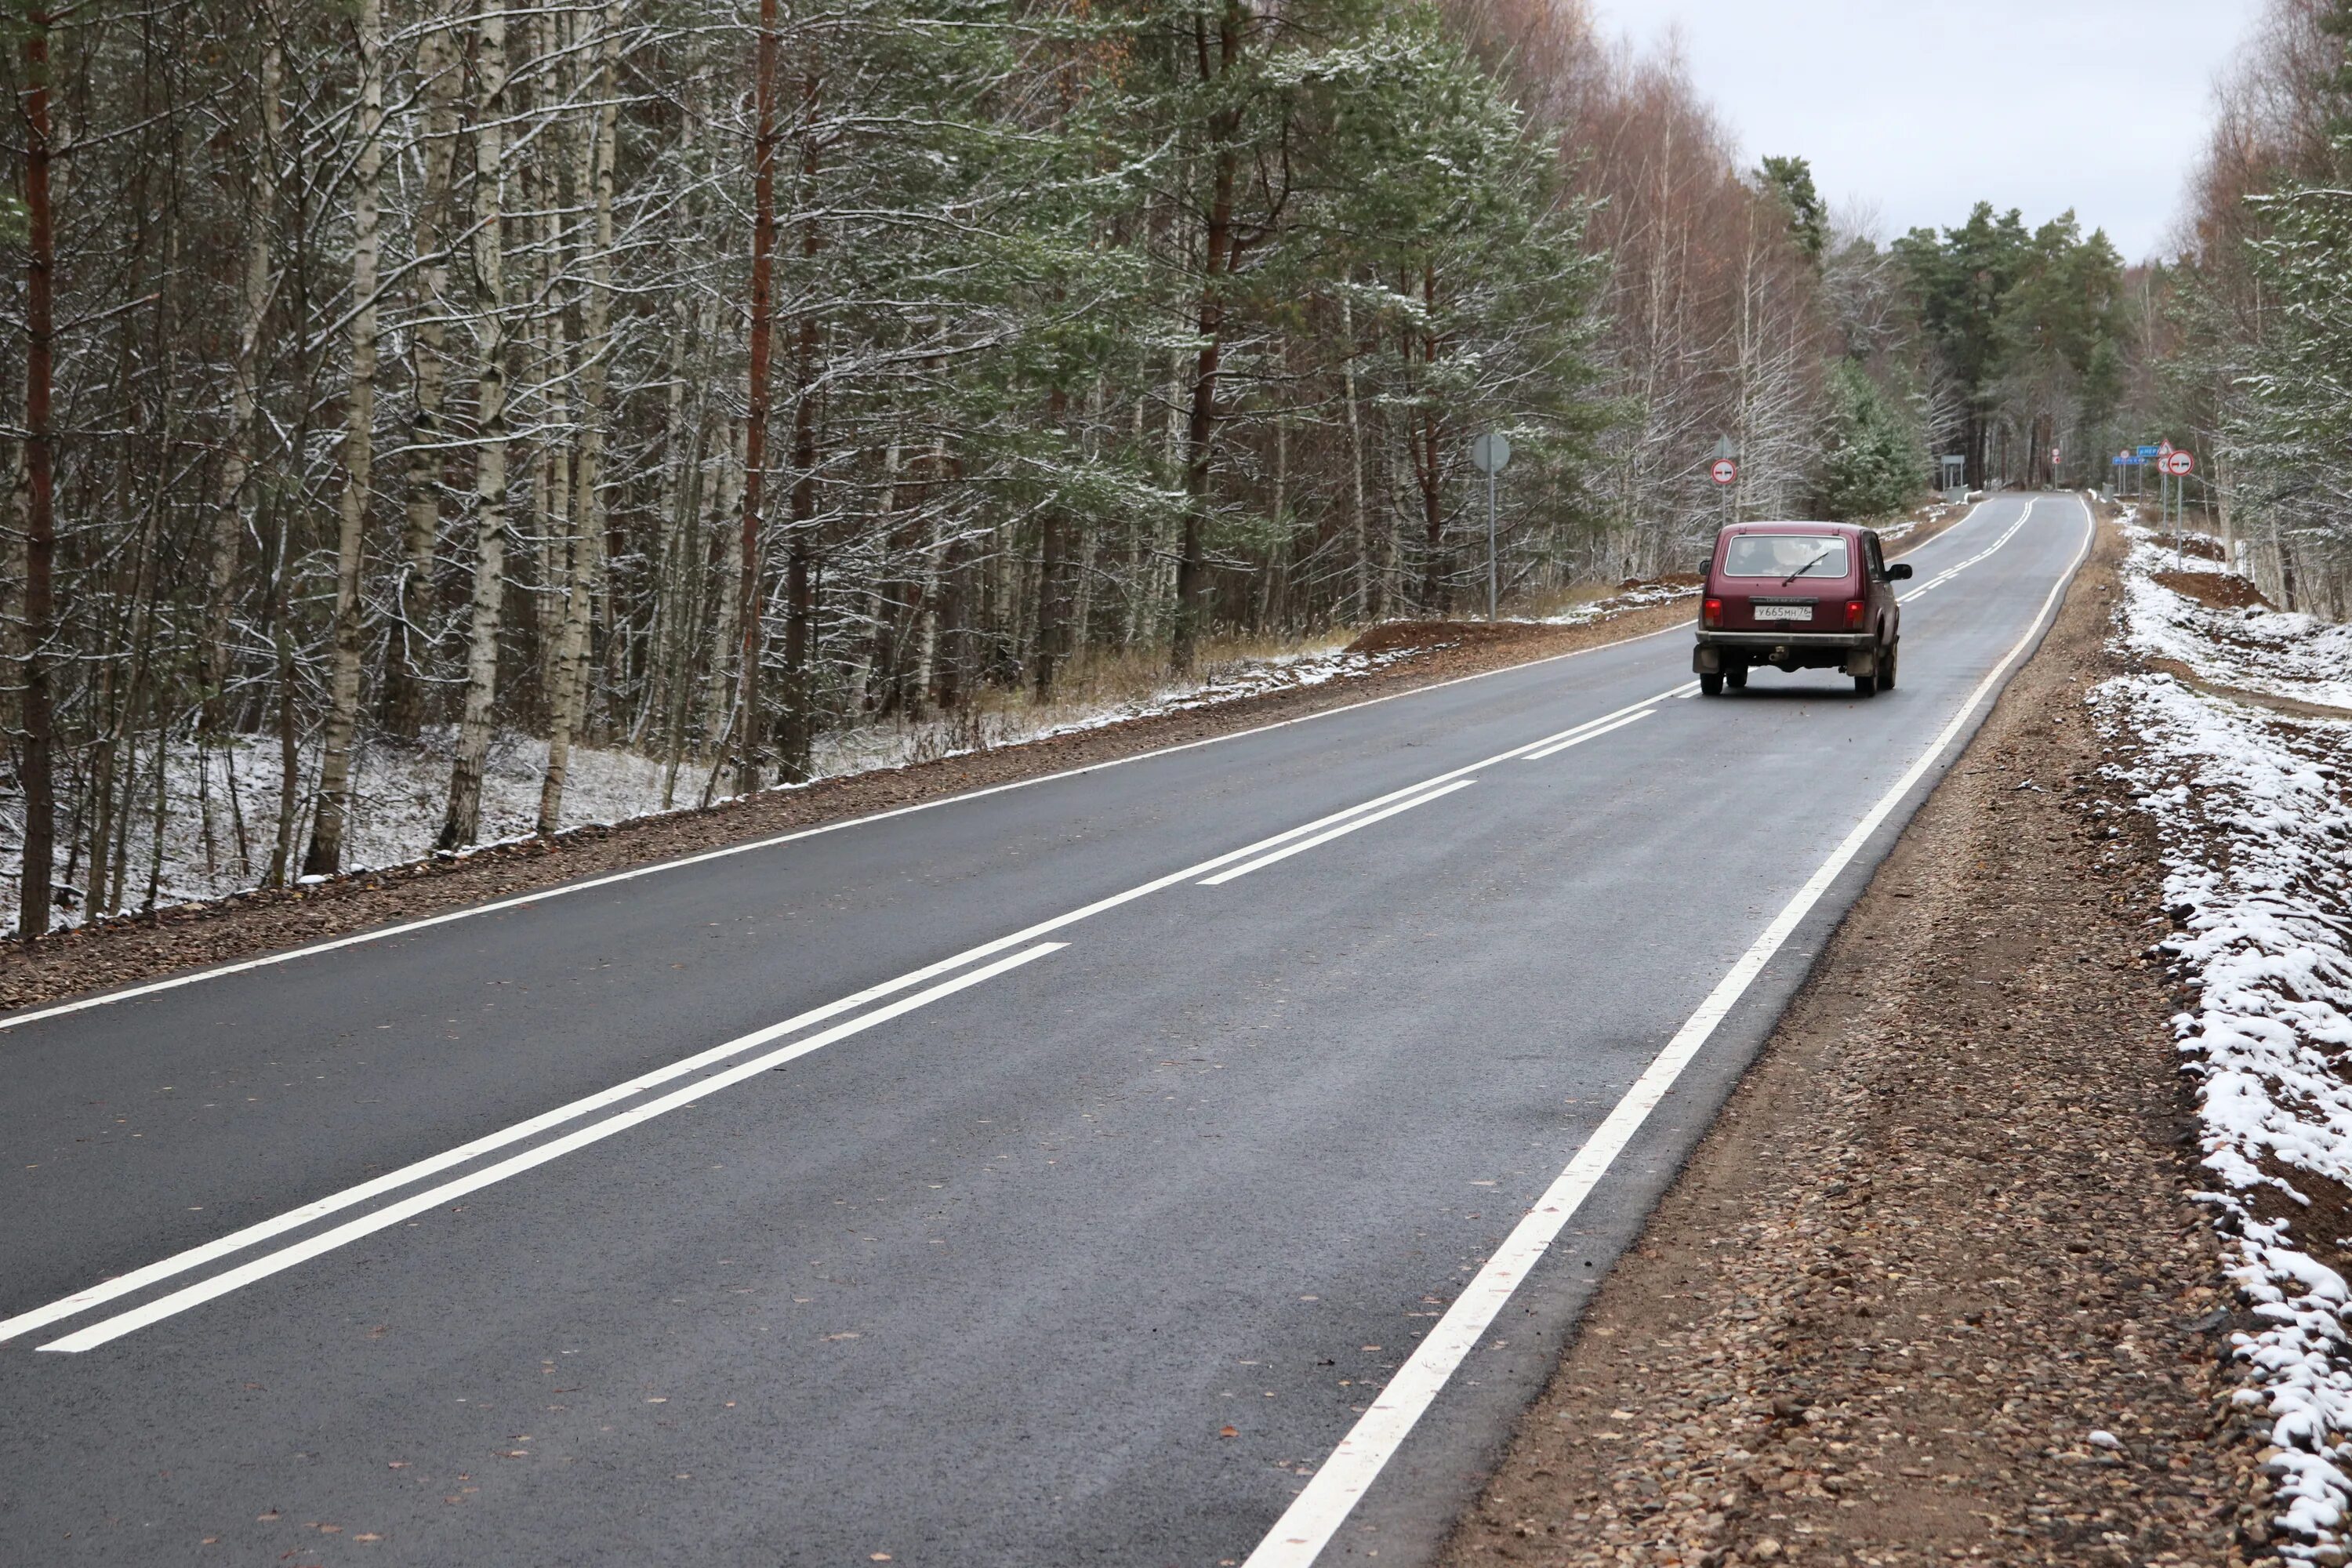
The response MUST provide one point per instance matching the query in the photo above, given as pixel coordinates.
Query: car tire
(1865, 686)
(1886, 668)
(1710, 685)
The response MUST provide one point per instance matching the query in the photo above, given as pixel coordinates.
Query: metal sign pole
(1492, 575)
(1490, 454)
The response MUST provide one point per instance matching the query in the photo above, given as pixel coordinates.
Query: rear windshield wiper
(1808, 566)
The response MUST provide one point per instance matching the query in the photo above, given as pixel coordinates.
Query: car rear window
(1786, 555)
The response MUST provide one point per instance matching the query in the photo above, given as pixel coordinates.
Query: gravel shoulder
(1933, 1290)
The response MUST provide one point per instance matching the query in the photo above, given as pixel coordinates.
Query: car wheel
(1736, 677)
(1886, 668)
(1710, 685)
(1865, 686)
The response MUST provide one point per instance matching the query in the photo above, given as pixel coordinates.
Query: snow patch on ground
(2274, 651)
(1637, 598)
(2256, 841)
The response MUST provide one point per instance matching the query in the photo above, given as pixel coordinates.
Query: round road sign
(2181, 465)
(1491, 453)
(1724, 471)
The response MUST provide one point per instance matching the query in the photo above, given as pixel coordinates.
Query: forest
(435, 422)
(2245, 343)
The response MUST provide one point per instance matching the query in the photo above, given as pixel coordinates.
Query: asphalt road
(1090, 1247)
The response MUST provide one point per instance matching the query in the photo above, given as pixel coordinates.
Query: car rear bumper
(1767, 641)
(1856, 653)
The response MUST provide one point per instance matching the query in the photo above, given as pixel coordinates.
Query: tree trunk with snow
(463, 823)
(325, 855)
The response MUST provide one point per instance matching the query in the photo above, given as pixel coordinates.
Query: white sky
(1918, 110)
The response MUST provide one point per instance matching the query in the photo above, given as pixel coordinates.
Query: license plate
(1784, 612)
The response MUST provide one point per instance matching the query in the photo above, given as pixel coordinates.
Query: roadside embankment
(1944, 1283)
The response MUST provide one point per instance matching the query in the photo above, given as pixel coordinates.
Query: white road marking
(1559, 746)
(261, 1268)
(1298, 1538)
(196, 1256)
(522, 901)
(236, 1241)
(1948, 573)
(1222, 877)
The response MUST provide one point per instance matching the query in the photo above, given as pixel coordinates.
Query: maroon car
(1798, 596)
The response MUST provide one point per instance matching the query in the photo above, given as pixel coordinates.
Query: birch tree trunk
(588, 535)
(463, 823)
(743, 726)
(231, 502)
(40, 518)
(325, 855)
(438, 71)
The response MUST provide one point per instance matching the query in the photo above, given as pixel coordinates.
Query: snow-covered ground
(2250, 805)
(221, 821)
(2254, 649)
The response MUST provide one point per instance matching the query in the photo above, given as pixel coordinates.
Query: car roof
(1851, 529)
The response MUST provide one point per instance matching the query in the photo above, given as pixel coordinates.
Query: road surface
(1195, 1160)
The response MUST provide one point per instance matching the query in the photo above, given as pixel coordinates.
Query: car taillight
(1712, 615)
(1855, 610)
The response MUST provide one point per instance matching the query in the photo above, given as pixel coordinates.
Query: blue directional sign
(2147, 452)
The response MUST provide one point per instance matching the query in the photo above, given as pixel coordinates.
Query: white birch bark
(232, 502)
(463, 823)
(325, 855)
(586, 585)
(438, 71)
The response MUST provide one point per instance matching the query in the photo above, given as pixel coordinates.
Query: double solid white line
(276, 1262)
(940, 980)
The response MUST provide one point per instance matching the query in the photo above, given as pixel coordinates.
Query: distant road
(1057, 1176)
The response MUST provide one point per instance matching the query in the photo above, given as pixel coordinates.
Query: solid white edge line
(1297, 1539)
(261, 1268)
(1553, 751)
(1304, 845)
(564, 889)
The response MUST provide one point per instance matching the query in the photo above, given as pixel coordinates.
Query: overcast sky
(1918, 110)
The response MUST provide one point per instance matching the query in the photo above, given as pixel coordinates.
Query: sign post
(1490, 454)
(2180, 465)
(1724, 472)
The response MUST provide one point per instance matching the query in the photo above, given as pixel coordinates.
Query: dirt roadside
(1932, 1290)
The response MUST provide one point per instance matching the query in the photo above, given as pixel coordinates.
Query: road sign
(2164, 449)
(1491, 453)
(2148, 452)
(1724, 472)
(2181, 465)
